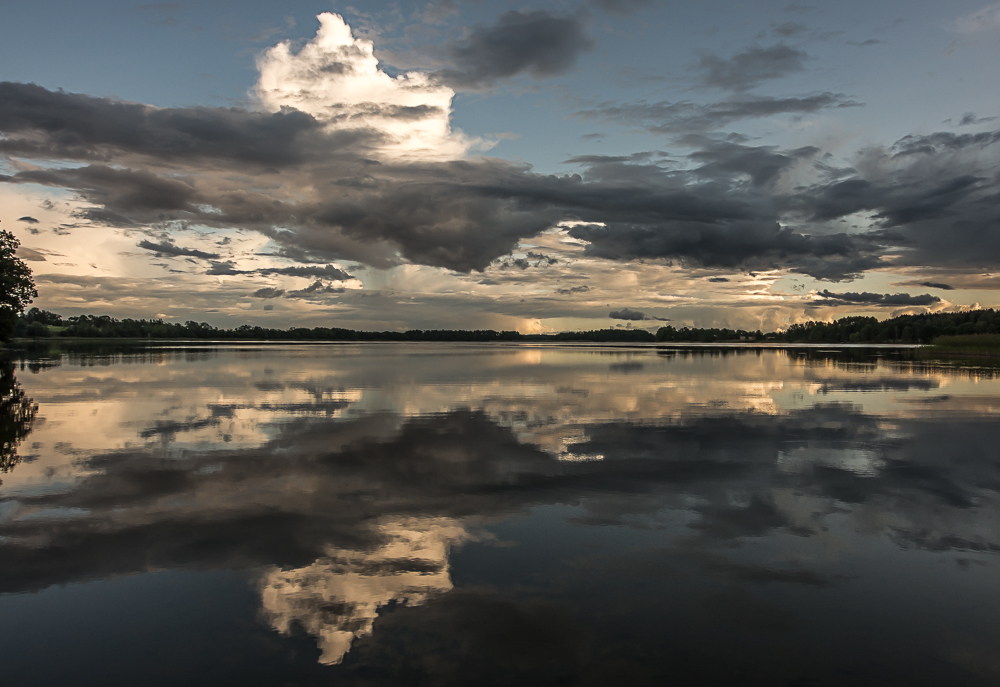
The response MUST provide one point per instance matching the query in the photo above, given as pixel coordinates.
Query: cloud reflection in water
(347, 477)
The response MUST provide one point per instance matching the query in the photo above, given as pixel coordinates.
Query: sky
(543, 167)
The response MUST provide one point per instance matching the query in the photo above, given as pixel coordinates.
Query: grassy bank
(969, 345)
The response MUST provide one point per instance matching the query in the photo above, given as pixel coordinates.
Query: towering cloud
(336, 79)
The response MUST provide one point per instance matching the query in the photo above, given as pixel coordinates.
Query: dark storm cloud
(325, 271)
(937, 285)
(630, 314)
(886, 299)
(640, 211)
(732, 244)
(29, 220)
(931, 199)
(536, 43)
(268, 293)
(317, 288)
(687, 117)
(942, 141)
(531, 259)
(54, 124)
(123, 190)
(168, 248)
(751, 67)
(762, 164)
(222, 268)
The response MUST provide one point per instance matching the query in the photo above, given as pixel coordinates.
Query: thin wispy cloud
(985, 19)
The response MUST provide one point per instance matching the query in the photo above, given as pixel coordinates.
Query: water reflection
(17, 415)
(337, 598)
(460, 514)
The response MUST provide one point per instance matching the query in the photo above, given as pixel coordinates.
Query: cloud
(29, 220)
(463, 215)
(534, 43)
(323, 186)
(325, 271)
(315, 289)
(718, 280)
(985, 19)
(750, 68)
(530, 259)
(789, 29)
(223, 268)
(573, 289)
(54, 124)
(268, 293)
(30, 255)
(932, 199)
(882, 299)
(660, 214)
(937, 285)
(969, 119)
(120, 191)
(336, 80)
(622, 8)
(762, 164)
(685, 117)
(169, 249)
(630, 314)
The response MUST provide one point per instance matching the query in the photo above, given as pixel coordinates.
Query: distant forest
(903, 329)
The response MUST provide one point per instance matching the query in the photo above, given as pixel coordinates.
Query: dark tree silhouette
(17, 414)
(17, 288)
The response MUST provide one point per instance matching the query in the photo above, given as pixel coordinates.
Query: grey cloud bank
(169, 249)
(930, 194)
(631, 314)
(885, 299)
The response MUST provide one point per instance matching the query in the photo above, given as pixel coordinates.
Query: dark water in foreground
(489, 515)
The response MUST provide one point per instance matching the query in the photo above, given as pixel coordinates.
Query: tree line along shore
(980, 327)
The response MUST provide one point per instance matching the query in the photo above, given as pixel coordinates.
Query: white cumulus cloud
(335, 77)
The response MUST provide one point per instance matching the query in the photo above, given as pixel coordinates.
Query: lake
(453, 514)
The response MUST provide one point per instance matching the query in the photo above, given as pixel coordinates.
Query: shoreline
(17, 344)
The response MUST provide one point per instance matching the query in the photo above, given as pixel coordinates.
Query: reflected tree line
(17, 415)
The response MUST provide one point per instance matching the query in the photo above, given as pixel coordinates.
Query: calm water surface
(516, 515)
